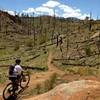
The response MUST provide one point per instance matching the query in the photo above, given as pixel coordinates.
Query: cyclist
(15, 72)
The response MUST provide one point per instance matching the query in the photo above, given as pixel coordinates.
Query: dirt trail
(52, 67)
(38, 78)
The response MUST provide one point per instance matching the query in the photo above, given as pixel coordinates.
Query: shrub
(29, 43)
(47, 86)
(82, 71)
(53, 79)
(38, 88)
(3, 77)
(88, 50)
(86, 71)
(50, 83)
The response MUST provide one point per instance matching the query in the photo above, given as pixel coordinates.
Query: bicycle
(10, 92)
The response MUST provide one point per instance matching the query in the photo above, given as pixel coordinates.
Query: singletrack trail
(45, 75)
(40, 77)
(52, 67)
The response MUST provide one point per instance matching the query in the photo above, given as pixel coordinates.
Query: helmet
(18, 61)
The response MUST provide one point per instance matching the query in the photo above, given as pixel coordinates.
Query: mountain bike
(10, 92)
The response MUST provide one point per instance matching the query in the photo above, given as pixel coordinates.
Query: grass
(81, 70)
(8, 56)
(3, 75)
(40, 61)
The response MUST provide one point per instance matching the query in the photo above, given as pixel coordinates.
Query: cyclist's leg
(12, 80)
(18, 79)
(15, 85)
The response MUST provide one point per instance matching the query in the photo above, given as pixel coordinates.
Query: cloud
(83, 16)
(47, 11)
(71, 12)
(68, 9)
(43, 10)
(29, 10)
(61, 10)
(51, 4)
(48, 8)
(10, 12)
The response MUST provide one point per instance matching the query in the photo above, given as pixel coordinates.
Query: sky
(61, 8)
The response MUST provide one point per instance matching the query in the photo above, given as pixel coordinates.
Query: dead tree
(34, 28)
(6, 28)
(98, 43)
(57, 40)
(90, 22)
(54, 22)
(0, 22)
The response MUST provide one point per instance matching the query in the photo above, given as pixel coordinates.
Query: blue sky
(63, 8)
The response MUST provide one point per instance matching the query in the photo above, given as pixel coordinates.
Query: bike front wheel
(24, 80)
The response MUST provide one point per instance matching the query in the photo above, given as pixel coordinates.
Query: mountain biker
(15, 72)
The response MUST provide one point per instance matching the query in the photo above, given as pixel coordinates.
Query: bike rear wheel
(24, 80)
(8, 92)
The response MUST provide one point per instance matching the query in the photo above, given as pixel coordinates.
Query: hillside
(21, 35)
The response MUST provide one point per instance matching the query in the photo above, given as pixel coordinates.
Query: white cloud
(60, 10)
(66, 9)
(48, 8)
(41, 9)
(10, 12)
(71, 12)
(83, 16)
(51, 4)
(29, 10)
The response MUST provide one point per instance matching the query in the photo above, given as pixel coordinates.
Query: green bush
(86, 71)
(49, 84)
(3, 77)
(29, 43)
(38, 88)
